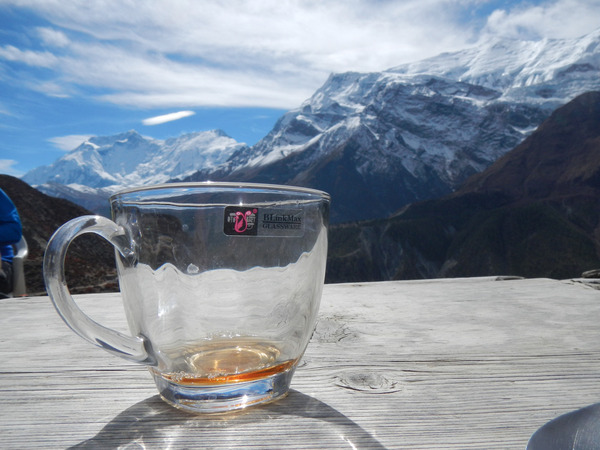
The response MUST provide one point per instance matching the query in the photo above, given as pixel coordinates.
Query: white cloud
(7, 167)
(29, 57)
(49, 88)
(560, 19)
(70, 142)
(157, 120)
(53, 37)
(272, 53)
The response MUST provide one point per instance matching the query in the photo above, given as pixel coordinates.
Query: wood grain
(462, 363)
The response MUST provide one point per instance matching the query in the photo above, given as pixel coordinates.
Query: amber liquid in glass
(228, 362)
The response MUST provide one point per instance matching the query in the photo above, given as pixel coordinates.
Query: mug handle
(128, 347)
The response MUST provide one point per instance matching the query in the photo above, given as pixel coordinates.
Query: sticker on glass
(253, 221)
(240, 221)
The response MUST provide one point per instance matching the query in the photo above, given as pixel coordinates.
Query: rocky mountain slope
(90, 265)
(533, 213)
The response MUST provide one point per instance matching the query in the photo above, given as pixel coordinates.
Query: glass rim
(231, 185)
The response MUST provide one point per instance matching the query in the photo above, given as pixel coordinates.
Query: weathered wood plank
(471, 363)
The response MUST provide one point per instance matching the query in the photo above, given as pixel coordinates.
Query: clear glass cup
(221, 285)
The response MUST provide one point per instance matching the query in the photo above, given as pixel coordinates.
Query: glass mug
(221, 285)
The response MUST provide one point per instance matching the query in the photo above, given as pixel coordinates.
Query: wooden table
(462, 363)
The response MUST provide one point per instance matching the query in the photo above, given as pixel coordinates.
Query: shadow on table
(577, 430)
(154, 424)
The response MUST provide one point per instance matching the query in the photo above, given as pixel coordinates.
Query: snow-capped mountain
(378, 141)
(548, 71)
(129, 159)
(542, 74)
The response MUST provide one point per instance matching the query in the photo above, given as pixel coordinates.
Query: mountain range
(534, 213)
(376, 141)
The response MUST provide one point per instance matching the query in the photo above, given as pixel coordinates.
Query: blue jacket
(10, 227)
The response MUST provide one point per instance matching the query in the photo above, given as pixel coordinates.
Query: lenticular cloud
(167, 117)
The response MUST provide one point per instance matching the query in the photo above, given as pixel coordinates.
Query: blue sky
(72, 69)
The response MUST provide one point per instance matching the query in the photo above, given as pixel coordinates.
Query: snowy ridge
(518, 67)
(129, 159)
(393, 115)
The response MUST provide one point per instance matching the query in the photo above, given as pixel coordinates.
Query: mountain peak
(110, 140)
(128, 159)
(544, 71)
